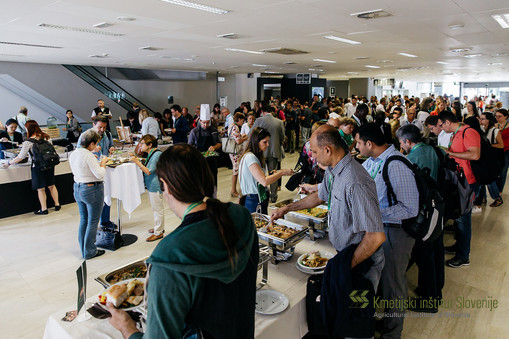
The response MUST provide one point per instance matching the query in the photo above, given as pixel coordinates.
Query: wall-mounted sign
(221, 79)
(332, 91)
(223, 101)
(303, 78)
(384, 82)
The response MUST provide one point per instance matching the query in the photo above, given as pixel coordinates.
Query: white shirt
(402, 107)
(350, 109)
(85, 167)
(422, 116)
(415, 122)
(22, 120)
(150, 126)
(444, 139)
(380, 108)
(229, 121)
(94, 114)
(245, 129)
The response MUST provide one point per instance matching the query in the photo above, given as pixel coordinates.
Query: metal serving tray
(104, 278)
(283, 244)
(300, 218)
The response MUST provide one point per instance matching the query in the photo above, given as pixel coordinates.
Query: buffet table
(283, 277)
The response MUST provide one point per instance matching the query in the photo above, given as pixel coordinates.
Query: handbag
(108, 238)
(230, 146)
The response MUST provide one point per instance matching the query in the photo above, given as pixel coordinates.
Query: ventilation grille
(379, 13)
(285, 51)
(27, 45)
(79, 29)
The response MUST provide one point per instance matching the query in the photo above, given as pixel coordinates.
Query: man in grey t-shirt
(354, 214)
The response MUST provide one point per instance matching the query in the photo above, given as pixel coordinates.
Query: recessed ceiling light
(348, 41)
(456, 26)
(79, 29)
(361, 58)
(231, 36)
(373, 14)
(288, 63)
(384, 61)
(460, 49)
(442, 62)
(103, 55)
(258, 65)
(472, 55)
(502, 19)
(494, 64)
(408, 55)
(243, 51)
(324, 60)
(125, 18)
(197, 6)
(102, 25)
(371, 66)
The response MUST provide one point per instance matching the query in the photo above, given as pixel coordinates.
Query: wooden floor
(39, 256)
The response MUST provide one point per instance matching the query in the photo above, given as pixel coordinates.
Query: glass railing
(106, 86)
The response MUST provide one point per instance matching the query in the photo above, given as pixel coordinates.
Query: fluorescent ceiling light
(348, 41)
(374, 10)
(243, 51)
(456, 26)
(79, 29)
(315, 69)
(502, 19)
(258, 65)
(371, 66)
(125, 18)
(442, 62)
(408, 55)
(103, 25)
(197, 6)
(472, 55)
(361, 58)
(324, 60)
(461, 49)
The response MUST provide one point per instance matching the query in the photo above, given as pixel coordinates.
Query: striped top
(353, 208)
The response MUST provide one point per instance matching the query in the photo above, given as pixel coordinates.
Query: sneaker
(497, 202)
(477, 209)
(457, 262)
(450, 249)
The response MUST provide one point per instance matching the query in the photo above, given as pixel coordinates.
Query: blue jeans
(105, 215)
(503, 176)
(464, 233)
(492, 188)
(252, 203)
(90, 200)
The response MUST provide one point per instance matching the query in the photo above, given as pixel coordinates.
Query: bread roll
(117, 294)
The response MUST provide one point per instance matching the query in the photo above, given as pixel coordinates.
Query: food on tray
(124, 295)
(361, 157)
(314, 259)
(259, 223)
(280, 231)
(207, 154)
(314, 212)
(139, 271)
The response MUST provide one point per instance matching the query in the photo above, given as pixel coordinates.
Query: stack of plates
(312, 270)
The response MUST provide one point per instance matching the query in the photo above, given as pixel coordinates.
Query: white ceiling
(182, 33)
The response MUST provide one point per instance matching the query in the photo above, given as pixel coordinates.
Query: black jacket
(341, 315)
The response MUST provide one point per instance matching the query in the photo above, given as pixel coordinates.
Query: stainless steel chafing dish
(263, 264)
(106, 277)
(317, 226)
(13, 153)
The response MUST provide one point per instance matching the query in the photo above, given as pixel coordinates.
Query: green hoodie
(181, 263)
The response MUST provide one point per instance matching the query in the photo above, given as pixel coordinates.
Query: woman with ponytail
(202, 276)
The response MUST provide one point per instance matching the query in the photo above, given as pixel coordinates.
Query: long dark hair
(253, 144)
(474, 108)
(491, 119)
(474, 123)
(189, 179)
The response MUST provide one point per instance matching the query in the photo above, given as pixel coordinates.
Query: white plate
(308, 271)
(270, 302)
(326, 255)
(120, 283)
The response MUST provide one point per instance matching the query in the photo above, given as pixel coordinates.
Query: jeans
(105, 215)
(252, 202)
(464, 233)
(492, 188)
(90, 200)
(503, 176)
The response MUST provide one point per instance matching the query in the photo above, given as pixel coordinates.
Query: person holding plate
(201, 278)
(149, 145)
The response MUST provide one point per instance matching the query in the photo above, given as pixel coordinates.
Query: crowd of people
(345, 147)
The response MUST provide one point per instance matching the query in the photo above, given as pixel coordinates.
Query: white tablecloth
(283, 277)
(124, 182)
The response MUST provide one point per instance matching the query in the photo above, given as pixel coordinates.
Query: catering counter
(17, 196)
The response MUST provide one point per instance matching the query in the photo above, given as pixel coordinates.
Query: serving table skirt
(124, 182)
(283, 277)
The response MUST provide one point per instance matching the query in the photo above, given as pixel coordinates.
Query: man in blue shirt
(429, 256)
(104, 147)
(398, 246)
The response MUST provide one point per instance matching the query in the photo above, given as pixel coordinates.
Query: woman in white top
(88, 191)
(149, 125)
(246, 128)
(40, 178)
(252, 173)
(492, 134)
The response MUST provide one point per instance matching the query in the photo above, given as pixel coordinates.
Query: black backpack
(457, 194)
(44, 155)
(427, 225)
(488, 167)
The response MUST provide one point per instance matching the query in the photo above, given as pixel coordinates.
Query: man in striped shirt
(398, 247)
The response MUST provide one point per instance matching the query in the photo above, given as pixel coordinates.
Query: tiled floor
(39, 256)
